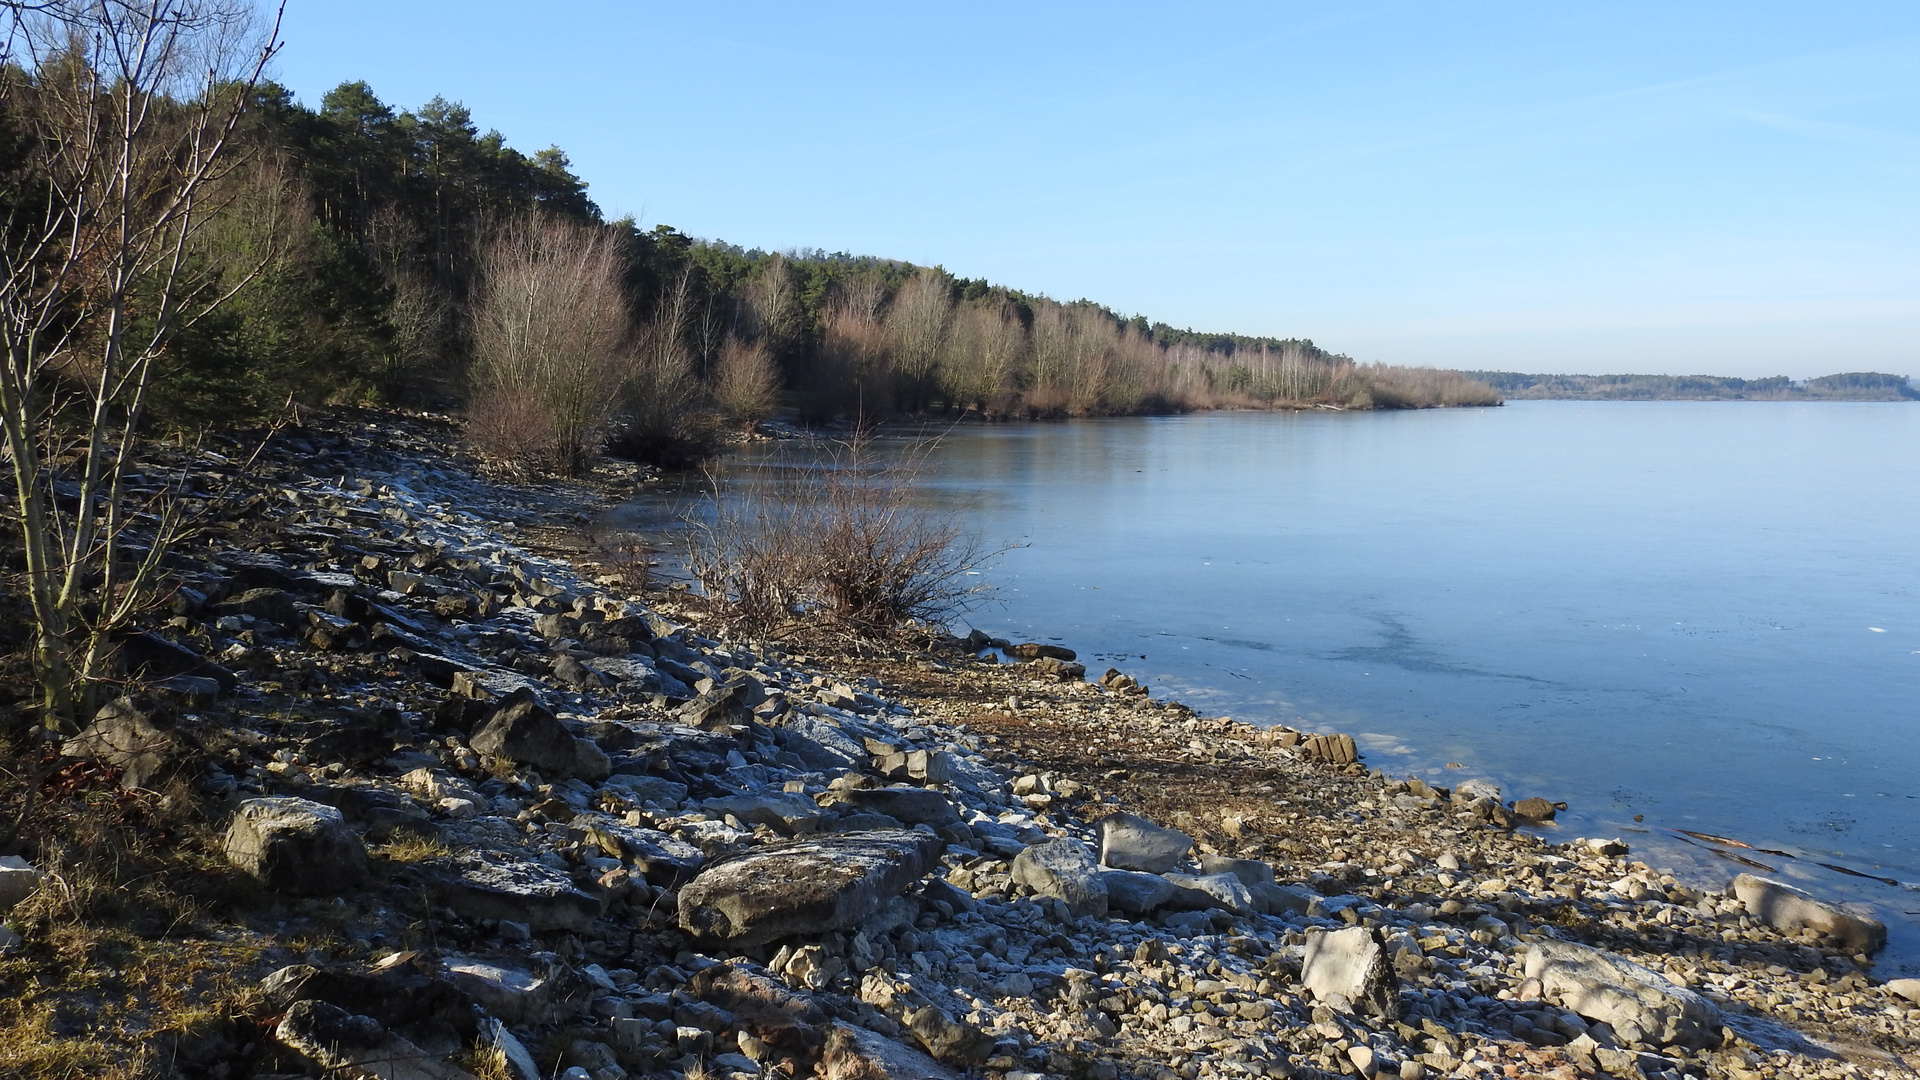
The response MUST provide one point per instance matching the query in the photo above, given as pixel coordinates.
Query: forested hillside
(392, 255)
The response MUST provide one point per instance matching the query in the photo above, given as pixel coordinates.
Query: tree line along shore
(377, 254)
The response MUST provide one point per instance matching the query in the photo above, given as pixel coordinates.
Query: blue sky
(1708, 187)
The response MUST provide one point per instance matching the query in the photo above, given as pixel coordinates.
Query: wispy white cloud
(1829, 131)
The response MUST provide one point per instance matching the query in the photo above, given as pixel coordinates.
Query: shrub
(845, 540)
(745, 383)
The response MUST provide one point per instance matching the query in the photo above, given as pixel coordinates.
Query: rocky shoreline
(504, 815)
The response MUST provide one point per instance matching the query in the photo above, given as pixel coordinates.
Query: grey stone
(861, 823)
(805, 887)
(662, 859)
(1467, 791)
(1066, 871)
(1272, 899)
(296, 845)
(127, 736)
(1639, 1004)
(590, 763)
(577, 675)
(523, 731)
(854, 1053)
(1222, 891)
(1131, 842)
(946, 1038)
(649, 790)
(1251, 872)
(1336, 749)
(150, 656)
(404, 991)
(512, 994)
(519, 1061)
(1034, 651)
(1905, 988)
(337, 1042)
(1064, 670)
(755, 1003)
(779, 809)
(1350, 965)
(929, 767)
(818, 744)
(511, 889)
(912, 805)
(1135, 892)
(274, 605)
(18, 880)
(1784, 907)
(1536, 809)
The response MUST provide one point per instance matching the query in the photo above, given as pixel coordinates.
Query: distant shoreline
(1843, 386)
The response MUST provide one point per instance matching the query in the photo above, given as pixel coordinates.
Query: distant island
(1846, 386)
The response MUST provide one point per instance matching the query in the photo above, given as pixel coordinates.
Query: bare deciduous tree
(661, 397)
(746, 382)
(770, 306)
(982, 351)
(550, 338)
(127, 109)
(419, 314)
(917, 322)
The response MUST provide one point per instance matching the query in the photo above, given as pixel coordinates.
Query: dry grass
(629, 557)
(410, 849)
(132, 954)
(489, 1063)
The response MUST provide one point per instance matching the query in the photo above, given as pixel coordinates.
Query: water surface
(1673, 615)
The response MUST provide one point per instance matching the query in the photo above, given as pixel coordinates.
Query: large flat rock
(518, 891)
(1784, 907)
(335, 1042)
(1638, 1003)
(912, 805)
(1135, 892)
(854, 1053)
(805, 887)
(663, 860)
